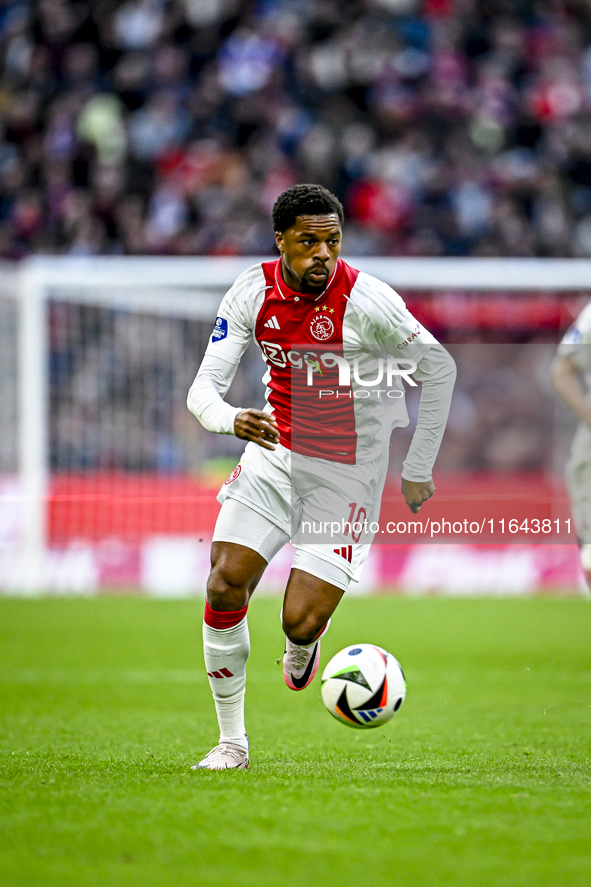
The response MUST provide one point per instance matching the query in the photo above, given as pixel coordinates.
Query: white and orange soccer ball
(363, 686)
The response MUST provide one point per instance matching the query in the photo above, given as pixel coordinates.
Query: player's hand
(417, 492)
(257, 426)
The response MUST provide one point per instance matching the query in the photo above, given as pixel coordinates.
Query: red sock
(223, 618)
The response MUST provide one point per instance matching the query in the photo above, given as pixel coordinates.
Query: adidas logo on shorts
(346, 551)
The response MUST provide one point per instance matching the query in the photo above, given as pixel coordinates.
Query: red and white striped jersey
(320, 411)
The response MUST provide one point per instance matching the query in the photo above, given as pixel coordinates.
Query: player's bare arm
(416, 493)
(566, 382)
(257, 426)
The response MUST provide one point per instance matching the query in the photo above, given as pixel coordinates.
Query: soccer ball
(363, 686)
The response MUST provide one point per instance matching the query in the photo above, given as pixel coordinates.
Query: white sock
(226, 651)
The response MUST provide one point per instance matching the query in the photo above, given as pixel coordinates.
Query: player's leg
(585, 555)
(236, 569)
(578, 481)
(235, 572)
(308, 604)
(335, 498)
(313, 592)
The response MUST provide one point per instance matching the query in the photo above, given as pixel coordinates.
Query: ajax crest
(233, 474)
(322, 327)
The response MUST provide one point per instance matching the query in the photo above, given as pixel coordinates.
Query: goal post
(167, 289)
(33, 419)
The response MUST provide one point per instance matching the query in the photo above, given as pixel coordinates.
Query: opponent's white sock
(226, 646)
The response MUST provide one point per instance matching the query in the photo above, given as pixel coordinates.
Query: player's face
(309, 251)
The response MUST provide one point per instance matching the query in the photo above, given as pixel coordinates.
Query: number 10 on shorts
(356, 522)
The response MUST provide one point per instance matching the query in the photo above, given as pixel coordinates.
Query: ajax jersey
(335, 361)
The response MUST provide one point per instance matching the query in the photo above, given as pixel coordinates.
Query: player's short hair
(308, 200)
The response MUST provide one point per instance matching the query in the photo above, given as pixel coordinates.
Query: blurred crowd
(504, 415)
(446, 127)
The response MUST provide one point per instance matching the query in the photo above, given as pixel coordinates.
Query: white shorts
(241, 524)
(319, 505)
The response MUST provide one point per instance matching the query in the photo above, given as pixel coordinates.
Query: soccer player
(572, 361)
(319, 449)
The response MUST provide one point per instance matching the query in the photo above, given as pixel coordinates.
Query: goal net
(108, 482)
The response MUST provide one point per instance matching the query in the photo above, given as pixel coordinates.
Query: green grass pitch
(482, 779)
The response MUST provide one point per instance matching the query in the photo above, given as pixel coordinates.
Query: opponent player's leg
(585, 555)
(236, 569)
(578, 481)
(313, 592)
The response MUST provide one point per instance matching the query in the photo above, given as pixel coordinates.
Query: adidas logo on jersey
(346, 551)
(273, 323)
